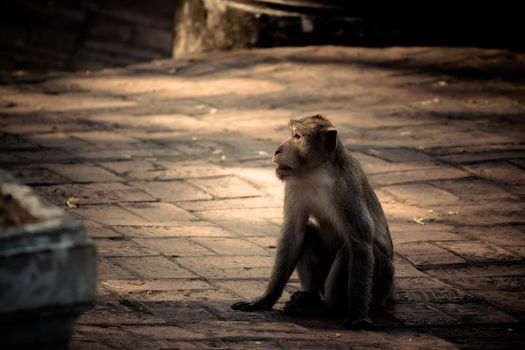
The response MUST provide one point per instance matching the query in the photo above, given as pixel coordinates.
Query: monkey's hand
(256, 305)
(365, 324)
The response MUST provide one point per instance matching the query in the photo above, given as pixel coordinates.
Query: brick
(159, 213)
(96, 193)
(478, 251)
(57, 140)
(500, 172)
(510, 301)
(402, 155)
(505, 236)
(254, 215)
(117, 316)
(107, 269)
(421, 315)
(474, 190)
(404, 268)
(165, 332)
(83, 173)
(187, 169)
(226, 187)
(105, 139)
(230, 266)
(175, 246)
(145, 285)
(230, 246)
(485, 213)
(187, 296)
(422, 195)
(423, 254)
(428, 174)
(249, 289)
(405, 213)
(172, 191)
(153, 267)
(194, 312)
(185, 229)
(413, 232)
(458, 274)
(99, 231)
(121, 247)
(252, 229)
(132, 169)
(263, 177)
(36, 175)
(236, 203)
(476, 312)
(374, 165)
(109, 215)
(473, 157)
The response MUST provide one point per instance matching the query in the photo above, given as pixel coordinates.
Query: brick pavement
(170, 161)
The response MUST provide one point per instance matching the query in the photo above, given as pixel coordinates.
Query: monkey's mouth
(283, 171)
(284, 167)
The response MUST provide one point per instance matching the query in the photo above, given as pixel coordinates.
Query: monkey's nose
(278, 150)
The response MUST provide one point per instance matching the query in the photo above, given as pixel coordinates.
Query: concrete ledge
(47, 271)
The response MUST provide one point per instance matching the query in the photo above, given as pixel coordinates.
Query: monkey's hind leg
(312, 269)
(383, 282)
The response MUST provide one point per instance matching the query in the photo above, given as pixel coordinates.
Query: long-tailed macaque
(334, 231)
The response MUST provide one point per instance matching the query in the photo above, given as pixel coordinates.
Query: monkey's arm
(288, 251)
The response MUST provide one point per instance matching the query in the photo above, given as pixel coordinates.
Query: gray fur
(334, 230)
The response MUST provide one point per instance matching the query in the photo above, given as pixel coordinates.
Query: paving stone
(478, 251)
(421, 195)
(423, 254)
(478, 312)
(109, 215)
(495, 212)
(159, 213)
(433, 173)
(474, 190)
(230, 246)
(230, 266)
(83, 172)
(226, 187)
(36, 175)
(99, 231)
(501, 172)
(153, 267)
(254, 215)
(107, 269)
(421, 315)
(186, 207)
(236, 203)
(132, 169)
(94, 193)
(413, 232)
(121, 247)
(172, 191)
(185, 229)
(175, 246)
(145, 285)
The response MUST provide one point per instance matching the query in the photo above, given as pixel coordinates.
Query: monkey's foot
(365, 324)
(251, 306)
(305, 304)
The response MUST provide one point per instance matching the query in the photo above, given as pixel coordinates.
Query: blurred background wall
(90, 34)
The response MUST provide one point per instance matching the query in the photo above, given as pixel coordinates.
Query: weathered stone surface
(175, 157)
(47, 270)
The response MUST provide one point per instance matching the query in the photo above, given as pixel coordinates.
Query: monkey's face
(309, 146)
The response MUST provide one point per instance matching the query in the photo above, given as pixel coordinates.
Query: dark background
(71, 35)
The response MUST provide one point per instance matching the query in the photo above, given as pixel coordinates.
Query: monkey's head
(311, 144)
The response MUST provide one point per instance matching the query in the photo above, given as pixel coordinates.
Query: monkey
(334, 231)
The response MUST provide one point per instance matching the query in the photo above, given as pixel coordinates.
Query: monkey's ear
(330, 139)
